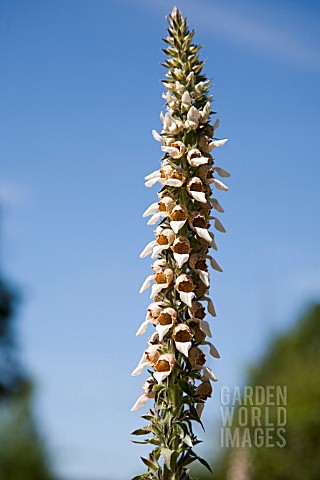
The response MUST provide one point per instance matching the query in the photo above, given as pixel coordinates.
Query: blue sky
(80, 93)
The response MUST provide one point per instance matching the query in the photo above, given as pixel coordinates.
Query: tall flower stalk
(180, 382)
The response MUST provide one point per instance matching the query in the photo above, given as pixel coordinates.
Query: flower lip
(195, 185)
(182, 333)
(195, 158)
(197, 220)
(179, 213)
(181, 246)
(164, 363)
(166, 204)
(165, 237)
(167, 316)
(184, 284)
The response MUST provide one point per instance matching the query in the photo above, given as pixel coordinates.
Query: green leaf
(143, 476)
(204, 463)
(141, 431)
(188, 441)
(149, 464)
(166, 455)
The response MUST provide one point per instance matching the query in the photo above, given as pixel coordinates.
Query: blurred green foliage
(23, 454)
(292, 360)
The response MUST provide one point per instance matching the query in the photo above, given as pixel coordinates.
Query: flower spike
(181, 310)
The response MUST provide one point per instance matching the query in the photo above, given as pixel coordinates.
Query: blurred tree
(293, 360)
(23, 454)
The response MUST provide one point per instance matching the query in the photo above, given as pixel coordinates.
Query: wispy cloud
(250, 30)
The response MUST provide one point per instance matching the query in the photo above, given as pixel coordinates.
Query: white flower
(205, 113)
(185, 288)
(186, 101)
(181, 249)
(178, 217)
(195, 158)
(171, 125)
(175, 149)
(165, 238)
(179, 87)
(163, 279)
(154, 311)
(163, 367)
(192, 121)
(182, 337)
(165, 321)
(199, 224)
(196, 190)
(149, 358)
(198, 263)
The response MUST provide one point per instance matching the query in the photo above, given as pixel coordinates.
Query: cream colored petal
(173, 182)
(146, 283)
(219, 143)
(216, 124)
(143, 328)
(203, 233)
(160, 376)
(187, 298)
(199, 196)
(181, 258)
(152, 182)
(220, 185)
(208, 373)
(204, 277)
(157, 136)
(156, 288)
(139, 368)
(216, 205)
(170, 150)
(157, 249)
(142, 400)
(151, 210)
(218, 225)
(221, 172)
(211, 308)
(205, 327)
(214, 264)
(213, 351)
(213, 242)
(196, 162)
(154, 174)
(176, 226)
(148, 249)
(155, 218)
(163, 330)
(183, 347)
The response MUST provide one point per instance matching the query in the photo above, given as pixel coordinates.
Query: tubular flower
(166, 319)
(181, 250)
